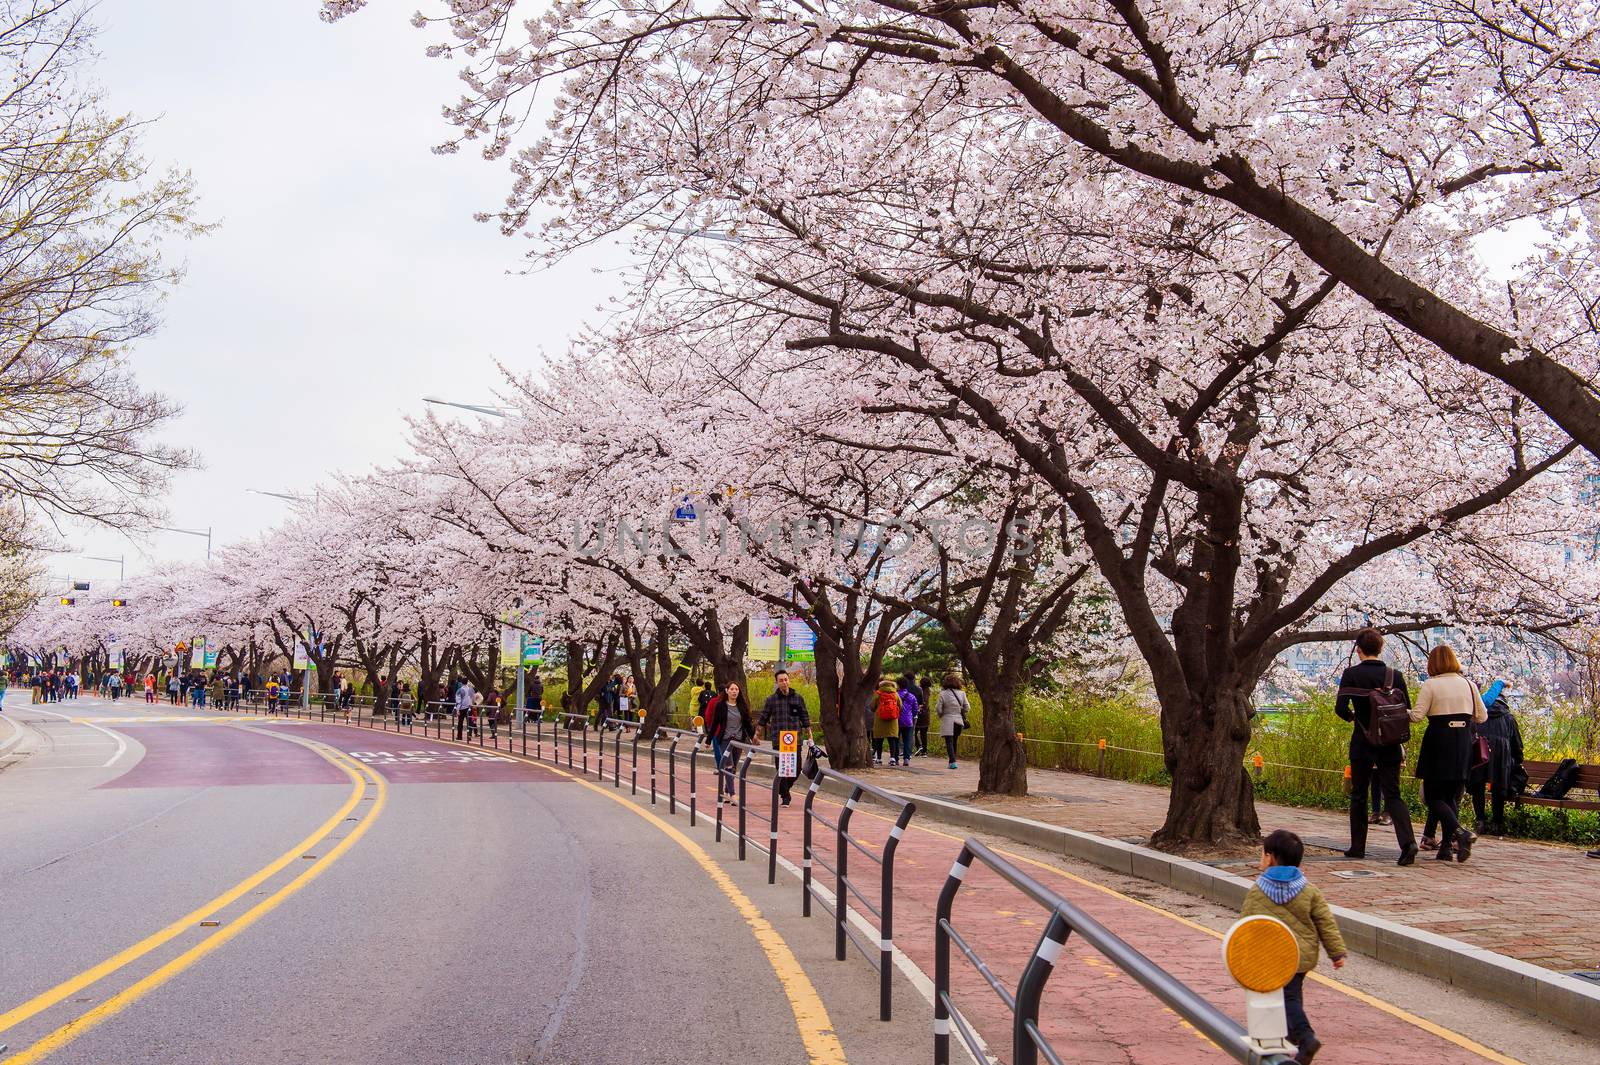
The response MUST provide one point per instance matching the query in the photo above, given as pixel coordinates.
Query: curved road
(181, 888)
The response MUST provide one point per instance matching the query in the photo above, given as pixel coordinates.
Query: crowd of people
(1470, 745)
(47, 685)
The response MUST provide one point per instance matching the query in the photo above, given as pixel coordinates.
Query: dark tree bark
(649, 658)
(593, 660)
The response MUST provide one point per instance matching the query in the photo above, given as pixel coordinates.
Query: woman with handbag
(1450, 703)
(952, 713)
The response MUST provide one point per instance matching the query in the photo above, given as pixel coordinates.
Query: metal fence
(881, 953)
(1028, 1042)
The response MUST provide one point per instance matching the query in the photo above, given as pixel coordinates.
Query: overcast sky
(346, 279)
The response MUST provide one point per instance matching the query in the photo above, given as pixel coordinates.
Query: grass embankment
(1303, 751)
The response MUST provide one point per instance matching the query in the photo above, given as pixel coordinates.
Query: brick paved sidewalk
(1092, 1010)
(1532, 901)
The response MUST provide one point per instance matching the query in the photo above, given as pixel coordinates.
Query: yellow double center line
(360, 778)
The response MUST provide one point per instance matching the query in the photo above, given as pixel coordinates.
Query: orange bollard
(1347, 780)
(1257, 763)
(1100, 769)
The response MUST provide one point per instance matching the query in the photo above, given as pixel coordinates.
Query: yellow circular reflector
(699, 722)
(1261, 953)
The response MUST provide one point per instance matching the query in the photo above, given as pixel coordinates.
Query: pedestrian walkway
(1091, 1007)
(1531, 901)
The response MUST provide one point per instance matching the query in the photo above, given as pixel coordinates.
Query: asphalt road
(187, 888)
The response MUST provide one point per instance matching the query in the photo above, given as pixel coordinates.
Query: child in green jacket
(1282, 891)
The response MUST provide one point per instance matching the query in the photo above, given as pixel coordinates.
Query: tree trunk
(726, 657)
(1212, 800)
(842, 691)
(1003, 767)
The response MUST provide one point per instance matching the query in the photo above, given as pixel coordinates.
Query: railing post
(653, 740)
(672, 777)
(584, 739)
(694, 758)
(744, 770)
(600, 755)
(772, 827)
(941, 957)
(805, 846)
(886, 905)
(716, 771)
(841, 872)
(616, 761)
(635, 768)
(1031, 989)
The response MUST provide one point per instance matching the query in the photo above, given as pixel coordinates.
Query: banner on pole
(532, 650)
(800, 642)
(766, 635)
(302, 661)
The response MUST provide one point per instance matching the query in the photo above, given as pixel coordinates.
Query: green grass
(1304, 751)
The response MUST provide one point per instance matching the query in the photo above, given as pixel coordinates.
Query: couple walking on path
(1373, 696)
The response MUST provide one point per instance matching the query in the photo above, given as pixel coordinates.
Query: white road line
(16, 735)
(122, 744)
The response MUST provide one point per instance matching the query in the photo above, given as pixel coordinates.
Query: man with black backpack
(1373, 695)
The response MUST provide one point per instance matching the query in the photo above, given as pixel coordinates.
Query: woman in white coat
(952, 713)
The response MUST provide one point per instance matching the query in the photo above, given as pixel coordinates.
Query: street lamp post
(120, 560)
(476, 408)
(191, 532)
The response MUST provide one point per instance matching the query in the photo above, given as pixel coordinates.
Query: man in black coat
(1367, 760)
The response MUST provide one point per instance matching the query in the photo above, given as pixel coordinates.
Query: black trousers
(1294, 1010)
(461, 724)
(1481, 794)
(1362, 776)
(1444, 807)
(950, 747)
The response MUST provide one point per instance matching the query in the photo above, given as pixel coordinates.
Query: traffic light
(119, 602)
(67, 600)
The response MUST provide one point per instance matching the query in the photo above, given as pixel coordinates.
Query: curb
(1551, 995)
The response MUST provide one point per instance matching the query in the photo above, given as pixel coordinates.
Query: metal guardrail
(1028, 1042)
(880, 955)
(747, 753)
(674, 737)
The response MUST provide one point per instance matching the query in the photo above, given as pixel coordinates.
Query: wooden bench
(1539, 772)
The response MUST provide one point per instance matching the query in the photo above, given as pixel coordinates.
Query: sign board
(800, 643)
(766, 636)
(788, 753)
(684, 511)
(532, 650)
(210, 659)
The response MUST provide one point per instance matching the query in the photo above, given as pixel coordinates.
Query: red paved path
(209, 755)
